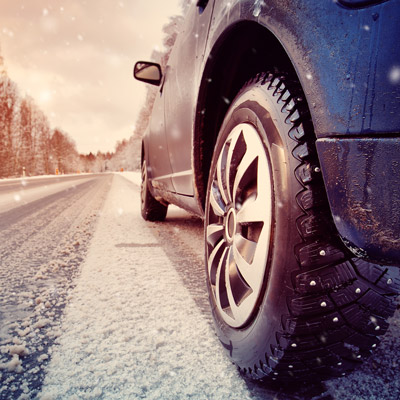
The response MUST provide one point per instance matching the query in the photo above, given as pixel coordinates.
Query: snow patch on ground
(131, 329)
(132, 176)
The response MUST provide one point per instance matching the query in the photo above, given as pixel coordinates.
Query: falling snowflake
(257, 8)
(394, 75)
(45, 96)
(8, 32)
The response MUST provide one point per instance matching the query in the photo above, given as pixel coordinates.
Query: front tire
(288, 300)
(151, 209)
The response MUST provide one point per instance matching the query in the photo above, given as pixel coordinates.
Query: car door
(181, 87)
(160, 170)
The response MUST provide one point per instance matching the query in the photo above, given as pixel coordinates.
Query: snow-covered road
(135, 321)
(43, 240)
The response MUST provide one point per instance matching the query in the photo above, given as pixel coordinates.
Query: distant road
(17, 192)
(9, 185)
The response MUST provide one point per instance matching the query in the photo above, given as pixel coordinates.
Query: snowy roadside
(132, 176)
(131, 329)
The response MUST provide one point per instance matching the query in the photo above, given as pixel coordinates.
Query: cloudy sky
(75, 58)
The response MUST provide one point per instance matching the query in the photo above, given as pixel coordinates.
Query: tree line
(28, 146)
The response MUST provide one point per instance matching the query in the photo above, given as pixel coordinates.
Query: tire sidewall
(256, 105)
(151, 209)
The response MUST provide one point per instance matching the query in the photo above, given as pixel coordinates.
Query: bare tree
(24, 142)
(65, 155)
(42, 144)
(8, 102)
(27, 144)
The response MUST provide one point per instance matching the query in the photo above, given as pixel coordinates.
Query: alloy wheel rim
(238, 225)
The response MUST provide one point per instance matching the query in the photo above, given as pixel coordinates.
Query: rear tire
(151, 209)
(288, 300)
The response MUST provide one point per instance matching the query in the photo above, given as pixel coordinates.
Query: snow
(13, 365)
(21, 350)
(131, 329)
(394, 75)
(132, 176)
(129, 319)
(39, 262)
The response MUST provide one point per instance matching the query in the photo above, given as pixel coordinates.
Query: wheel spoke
(214, 259)
(221, 175)
(250, 261)
(257, 207)
(220, 282)
(245, 172)
(233, 308)
(216, 202)
(214, 233)
(254, 209)
(236, 151)
(246, 270)
(246, 248)
(238, 285)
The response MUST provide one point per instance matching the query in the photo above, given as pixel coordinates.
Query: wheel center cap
(230, 224)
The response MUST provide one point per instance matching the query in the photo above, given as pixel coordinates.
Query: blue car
(278, 122)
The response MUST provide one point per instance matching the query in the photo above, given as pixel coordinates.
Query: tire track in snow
(42, 246)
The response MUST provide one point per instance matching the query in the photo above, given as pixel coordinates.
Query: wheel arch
(223, 77)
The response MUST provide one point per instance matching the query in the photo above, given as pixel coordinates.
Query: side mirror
(148, 72)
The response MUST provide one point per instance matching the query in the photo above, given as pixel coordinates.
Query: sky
(75, 58)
